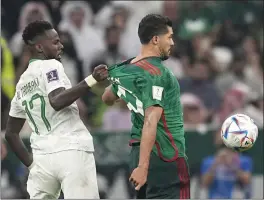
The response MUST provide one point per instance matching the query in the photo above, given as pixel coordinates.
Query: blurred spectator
(171, 10)
(7, 80)
(221, 172)
(31, 11)
(54, 9)
(119, 18)
(245, 15)
(77, 19)
(117, 118)
(111, 55)
(233, 75)
(175, 64)
(129, 42)
(71, 63)
(22, 62)
(234, 99)
(200, 84)
(194, 112)
(199, 47)
(114, 12)
(254, 109)
(73, 67)
(228, 35)
(195, 18)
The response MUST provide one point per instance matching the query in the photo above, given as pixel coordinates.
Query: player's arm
(149, 131)
(109, 97)
(60, 97)
(152, 97)
(14, 126)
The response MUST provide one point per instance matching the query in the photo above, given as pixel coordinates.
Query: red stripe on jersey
(133, 141)
(145, 67)
(157, 70)
(163, 118)
(184, 178)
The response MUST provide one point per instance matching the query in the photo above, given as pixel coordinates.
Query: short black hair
(151, 25)
(34, 29)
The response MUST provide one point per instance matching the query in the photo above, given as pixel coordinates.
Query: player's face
(166, 44)
(51, 45)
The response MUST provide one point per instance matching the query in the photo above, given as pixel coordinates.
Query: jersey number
(42, 112)
(139, 105)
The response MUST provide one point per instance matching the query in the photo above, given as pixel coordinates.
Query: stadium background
(218, 59)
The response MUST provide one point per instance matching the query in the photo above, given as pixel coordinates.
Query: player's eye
(56, 42)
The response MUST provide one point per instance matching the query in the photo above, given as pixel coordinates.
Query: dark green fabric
(165, 179)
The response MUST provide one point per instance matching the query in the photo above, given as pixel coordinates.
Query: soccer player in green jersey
(158, 162)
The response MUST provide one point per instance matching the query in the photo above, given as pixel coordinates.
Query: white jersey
(53, 131)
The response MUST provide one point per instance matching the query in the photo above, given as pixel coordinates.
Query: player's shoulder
(50, 66)
(51, 62)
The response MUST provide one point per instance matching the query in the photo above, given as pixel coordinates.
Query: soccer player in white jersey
(62, 146)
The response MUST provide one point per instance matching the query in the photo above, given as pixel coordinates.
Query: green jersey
(147, 83)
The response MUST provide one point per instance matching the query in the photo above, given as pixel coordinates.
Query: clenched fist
(100, 73)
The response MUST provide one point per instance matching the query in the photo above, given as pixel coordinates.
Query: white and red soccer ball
(239, 132)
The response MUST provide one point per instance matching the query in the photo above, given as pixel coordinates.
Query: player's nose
(61, 46)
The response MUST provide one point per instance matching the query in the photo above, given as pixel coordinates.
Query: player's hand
(100, 73)
(139, 177)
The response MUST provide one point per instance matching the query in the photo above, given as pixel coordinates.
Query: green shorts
(166, 180)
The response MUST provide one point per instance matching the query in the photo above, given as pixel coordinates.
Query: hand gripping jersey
(53, 131)
(147, 83)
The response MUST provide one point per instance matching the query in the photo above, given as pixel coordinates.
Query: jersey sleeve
(53, 75)
(152, 92)
(16, 110)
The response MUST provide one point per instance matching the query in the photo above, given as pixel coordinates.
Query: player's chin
(166, 57)
(58, 58)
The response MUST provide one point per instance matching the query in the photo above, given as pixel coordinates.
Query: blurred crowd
(217, 58)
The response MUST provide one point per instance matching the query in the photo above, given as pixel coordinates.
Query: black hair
(152, 25)
(35, 29)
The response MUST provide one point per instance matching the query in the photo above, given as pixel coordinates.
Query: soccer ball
(239, 132)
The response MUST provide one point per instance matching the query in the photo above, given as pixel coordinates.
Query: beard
(164, 55)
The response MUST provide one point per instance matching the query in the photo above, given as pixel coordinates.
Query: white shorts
(72, 171)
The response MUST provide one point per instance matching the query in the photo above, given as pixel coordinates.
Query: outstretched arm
(14, 126)
(61, 97)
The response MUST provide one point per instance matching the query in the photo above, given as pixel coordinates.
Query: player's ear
(155, 40)
(39, 48)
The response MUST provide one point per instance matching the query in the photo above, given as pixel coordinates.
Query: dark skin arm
(14, 126)
(61, 97)
(149, 131)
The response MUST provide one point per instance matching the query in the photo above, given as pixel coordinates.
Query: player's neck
(37, 57)
(147, 51)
